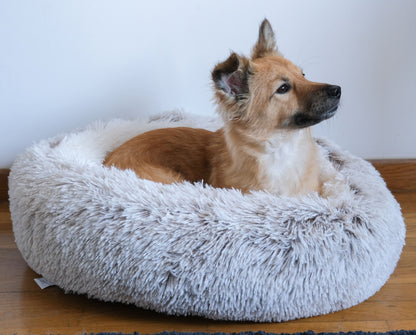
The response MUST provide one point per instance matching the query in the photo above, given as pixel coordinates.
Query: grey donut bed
(190, 249)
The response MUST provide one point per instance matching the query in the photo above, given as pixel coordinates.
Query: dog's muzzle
(321, 105)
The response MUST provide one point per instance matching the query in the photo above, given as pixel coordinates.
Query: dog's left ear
(231, 76)
(266, 43)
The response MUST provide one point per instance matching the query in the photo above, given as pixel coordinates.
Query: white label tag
(43, 283)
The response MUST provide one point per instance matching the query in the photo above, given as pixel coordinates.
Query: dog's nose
(334, 91)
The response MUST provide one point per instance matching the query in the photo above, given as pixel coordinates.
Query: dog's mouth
(310, 118)
(330, 113)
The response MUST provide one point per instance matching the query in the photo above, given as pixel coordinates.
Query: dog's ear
(266, 43)
(231, 76)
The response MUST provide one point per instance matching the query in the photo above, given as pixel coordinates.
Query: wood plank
(4, 184)
(399, 174)
(370, 310)
(81, 314)
(18, 277)
(5, 217)
(401, 324)
(7, 240)
(392, 292)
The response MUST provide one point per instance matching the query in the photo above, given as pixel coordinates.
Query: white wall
(64, 64)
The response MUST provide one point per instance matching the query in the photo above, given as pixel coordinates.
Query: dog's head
(268, 93)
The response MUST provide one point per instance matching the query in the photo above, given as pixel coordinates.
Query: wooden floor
(26, 309)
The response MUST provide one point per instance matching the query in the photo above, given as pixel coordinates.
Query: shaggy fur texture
(195, 250)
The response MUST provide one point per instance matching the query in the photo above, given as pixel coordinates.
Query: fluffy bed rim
(189, 249)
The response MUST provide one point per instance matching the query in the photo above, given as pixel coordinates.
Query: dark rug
(398, 332)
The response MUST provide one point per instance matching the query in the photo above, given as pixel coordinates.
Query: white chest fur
(286, 161)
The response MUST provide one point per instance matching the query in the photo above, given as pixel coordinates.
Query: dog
(268, 107)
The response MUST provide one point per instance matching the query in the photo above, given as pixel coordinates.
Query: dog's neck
(278, 163)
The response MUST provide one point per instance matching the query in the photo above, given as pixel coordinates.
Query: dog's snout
(333, 91)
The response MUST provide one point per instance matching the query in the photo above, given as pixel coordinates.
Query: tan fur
(257, 149)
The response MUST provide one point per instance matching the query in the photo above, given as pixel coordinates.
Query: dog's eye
(303, 74)
(284, 88)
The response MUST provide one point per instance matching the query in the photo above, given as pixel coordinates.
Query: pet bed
(190, 249)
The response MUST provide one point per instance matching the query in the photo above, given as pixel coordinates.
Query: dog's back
(167, 155)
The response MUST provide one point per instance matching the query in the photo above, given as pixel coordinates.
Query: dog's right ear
(231, 76)
(266, 43)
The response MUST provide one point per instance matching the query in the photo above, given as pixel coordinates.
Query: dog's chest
(283, 168)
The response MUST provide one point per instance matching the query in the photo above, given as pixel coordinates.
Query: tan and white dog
(265, 144)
